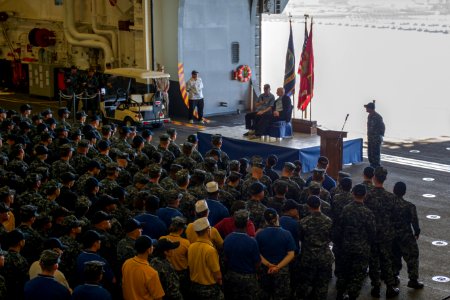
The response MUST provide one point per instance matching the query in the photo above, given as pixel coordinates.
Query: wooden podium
(332, 146)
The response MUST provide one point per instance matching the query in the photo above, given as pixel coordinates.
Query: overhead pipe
(90, 44)
(97, 30)
(69, 24)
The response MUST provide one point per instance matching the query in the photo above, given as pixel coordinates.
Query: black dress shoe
(415, 284)
(392, 292)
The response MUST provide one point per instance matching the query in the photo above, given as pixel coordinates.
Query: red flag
(306, 71)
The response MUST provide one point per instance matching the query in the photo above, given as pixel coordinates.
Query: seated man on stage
(263, 106)
(281, 111)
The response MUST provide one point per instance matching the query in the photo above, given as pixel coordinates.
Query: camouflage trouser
(185, 283)
(352, 276)
(241, 286)
(406, 246)
(206, 292)
(275, 286)
(381, 260)
(374, 150)
(338, 263)
(314, 279)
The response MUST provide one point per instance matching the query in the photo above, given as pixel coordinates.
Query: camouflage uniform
(325, 208)
(125, 249)
(241, 286)
(38, 164)
(46, 206)
(168, 183)
(226, 198)
(381, 203)
(60, 167)
(33, 243)
(197, 156)
(206, 292)
(64, 123)
(103, 159)
(149, 149)
(124, 178)
(274, 286)
(174, 148)
(339, 202)
(81, 182)
(199, 191)
(294, 190)
(375, 133)
(324, 195)
(316, 258)
(356, 231)
(92, 153)
(79, 162)
(299, 181)
(168, 277)
(15, 272)
(77, 125)
(187, 204)
(68, 263)
(234, 191)
(256, 210)
(167, 157)
(157, 190)
(405, 242)
(18, 166)
(224, 161)
(276, 203)
(108, 186)
(3, 291)
(368, 184)
(108, 249)
(247, 183)
(187, 162)
(121, 144)
(29, 197)
(121, 214)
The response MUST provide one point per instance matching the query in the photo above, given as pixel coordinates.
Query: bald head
(280, 91)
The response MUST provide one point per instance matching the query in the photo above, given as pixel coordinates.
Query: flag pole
(305, 112)
(310, 102)
(293, 93)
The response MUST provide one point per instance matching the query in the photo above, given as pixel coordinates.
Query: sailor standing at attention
(375, 134)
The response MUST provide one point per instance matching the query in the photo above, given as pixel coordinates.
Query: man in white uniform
(194, 88)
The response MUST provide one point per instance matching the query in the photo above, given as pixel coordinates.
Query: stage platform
(303, 147)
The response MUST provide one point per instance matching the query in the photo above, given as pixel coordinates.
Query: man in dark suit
(281, 111)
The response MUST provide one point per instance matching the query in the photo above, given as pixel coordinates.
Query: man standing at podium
(375, 134)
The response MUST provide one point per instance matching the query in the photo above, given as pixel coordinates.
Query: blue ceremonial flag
(289, 70)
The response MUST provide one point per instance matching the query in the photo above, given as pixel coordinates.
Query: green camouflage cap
(182, 174)
(314, 186)
(71, 222)
(112, 166)
(155, 168)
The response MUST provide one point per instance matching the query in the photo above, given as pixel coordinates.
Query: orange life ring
(243, 73)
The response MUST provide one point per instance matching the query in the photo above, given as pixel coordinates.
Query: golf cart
(140, 103)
